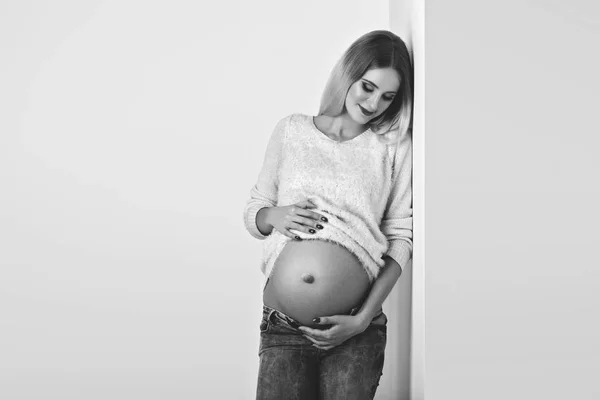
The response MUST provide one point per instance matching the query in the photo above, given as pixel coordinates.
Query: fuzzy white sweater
(362, 186)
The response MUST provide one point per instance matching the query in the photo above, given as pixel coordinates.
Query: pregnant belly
(315, 278)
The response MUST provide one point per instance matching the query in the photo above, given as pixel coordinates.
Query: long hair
(376, 49)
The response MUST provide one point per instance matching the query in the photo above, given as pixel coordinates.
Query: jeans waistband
(281, 316)
(295, 324)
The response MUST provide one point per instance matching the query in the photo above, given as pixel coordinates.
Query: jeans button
(263, 325)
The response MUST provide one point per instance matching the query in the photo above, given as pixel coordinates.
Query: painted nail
(319, 226)
(323, 219)
(311, 230)
(297, 237)
(316, 320)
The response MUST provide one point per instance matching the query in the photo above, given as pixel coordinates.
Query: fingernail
(297, 237)
(316, 320)
(311, 230)
(319, 226)
(323, 219)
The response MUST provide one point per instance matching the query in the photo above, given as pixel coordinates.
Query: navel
(308, 278)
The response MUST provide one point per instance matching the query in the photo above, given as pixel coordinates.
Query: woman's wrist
(365, 317)
(362, 322)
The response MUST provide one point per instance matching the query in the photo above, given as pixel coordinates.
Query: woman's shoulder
(297, 118)
(296, 122)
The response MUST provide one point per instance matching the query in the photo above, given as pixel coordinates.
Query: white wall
(403, 370)
(407, 20)
(130, 136)
(511, 282)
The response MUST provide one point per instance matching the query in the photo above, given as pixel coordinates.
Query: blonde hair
(376, 49)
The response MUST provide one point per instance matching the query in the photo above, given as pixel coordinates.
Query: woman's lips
(365, 112)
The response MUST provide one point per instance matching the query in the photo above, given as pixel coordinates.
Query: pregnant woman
(333, 206)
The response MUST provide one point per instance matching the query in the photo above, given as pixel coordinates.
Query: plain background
(131, 135)
(511, 200)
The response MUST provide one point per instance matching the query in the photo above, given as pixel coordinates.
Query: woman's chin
(360, 118)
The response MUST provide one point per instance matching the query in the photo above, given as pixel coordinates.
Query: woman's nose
(373, 102)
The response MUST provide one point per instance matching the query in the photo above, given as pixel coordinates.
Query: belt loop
(269, 312)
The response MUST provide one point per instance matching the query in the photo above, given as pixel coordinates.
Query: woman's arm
(397, 223)
(397, 227)
(380, 290)
(264, 193)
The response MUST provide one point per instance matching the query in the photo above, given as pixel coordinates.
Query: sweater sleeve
(264, 192)
(397, 220)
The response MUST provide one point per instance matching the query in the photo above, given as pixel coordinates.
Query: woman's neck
(343, 126)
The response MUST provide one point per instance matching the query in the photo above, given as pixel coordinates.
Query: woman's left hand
(344, 327)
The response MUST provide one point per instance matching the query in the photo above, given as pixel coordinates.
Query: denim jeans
(291, 368)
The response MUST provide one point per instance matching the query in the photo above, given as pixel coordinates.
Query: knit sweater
(362, 186)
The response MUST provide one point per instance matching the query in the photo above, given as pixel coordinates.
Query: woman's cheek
(357, 93)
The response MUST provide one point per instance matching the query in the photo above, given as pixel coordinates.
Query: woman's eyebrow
(366, 80)
(371, 83)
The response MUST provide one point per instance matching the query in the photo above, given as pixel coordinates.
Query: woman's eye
(389, 98)
(366, 87)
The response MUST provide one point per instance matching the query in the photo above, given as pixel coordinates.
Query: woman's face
(372, 94)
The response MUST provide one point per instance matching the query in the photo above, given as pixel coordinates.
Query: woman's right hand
(295, 216)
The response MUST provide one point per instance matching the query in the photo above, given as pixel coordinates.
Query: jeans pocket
(381, 320)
